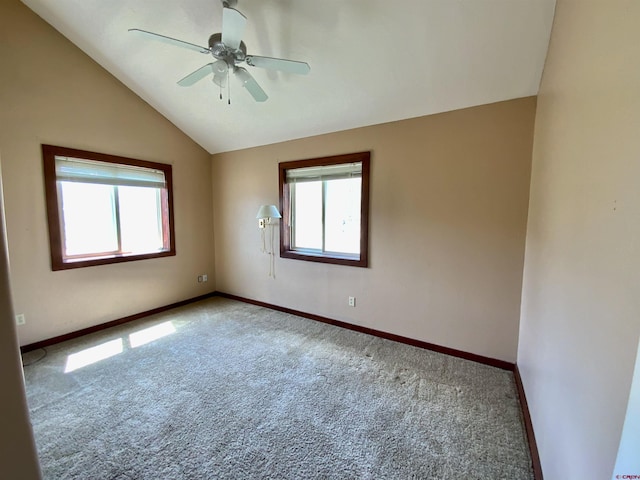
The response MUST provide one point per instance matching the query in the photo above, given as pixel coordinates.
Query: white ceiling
(372, 61)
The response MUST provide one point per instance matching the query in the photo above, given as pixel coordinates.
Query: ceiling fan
(229, 50)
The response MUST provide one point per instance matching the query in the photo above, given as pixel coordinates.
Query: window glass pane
(342, 216)
(140, 219)
(88, 218)
(307, 208)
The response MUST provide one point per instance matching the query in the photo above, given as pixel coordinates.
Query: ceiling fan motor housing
(220, 51)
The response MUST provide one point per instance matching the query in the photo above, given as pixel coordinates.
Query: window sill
(353, 261)
(57, 265)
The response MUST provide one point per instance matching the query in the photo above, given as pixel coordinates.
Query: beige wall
(581, 310)
(51, 92)
(449, 200)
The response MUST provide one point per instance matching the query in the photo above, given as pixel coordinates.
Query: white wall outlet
(200, 279)
(262, 223)
(20, 320)
(205, 278)
(352, 301)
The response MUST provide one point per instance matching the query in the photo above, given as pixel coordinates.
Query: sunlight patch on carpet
(150, 334)
(92, 355)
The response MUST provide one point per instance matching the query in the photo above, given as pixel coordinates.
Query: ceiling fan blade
(289, 66)
(251, 85)
(233, 23)
(170, 41)
(196, 76)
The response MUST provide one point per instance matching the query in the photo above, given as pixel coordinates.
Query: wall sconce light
(265, 214)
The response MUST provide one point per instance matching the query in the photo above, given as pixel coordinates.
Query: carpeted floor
(235, 391)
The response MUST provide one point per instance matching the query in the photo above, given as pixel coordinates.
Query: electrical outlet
(205, 278)
(20, 320)
(200, 280)
(262, 223)
(352, 301)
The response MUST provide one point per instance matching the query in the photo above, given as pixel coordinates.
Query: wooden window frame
(285, 207)
(56, 243)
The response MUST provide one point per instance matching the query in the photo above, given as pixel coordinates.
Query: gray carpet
(242, 392)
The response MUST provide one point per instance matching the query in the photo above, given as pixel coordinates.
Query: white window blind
(70, 169)
(324, 172)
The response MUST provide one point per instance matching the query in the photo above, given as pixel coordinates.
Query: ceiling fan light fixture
(220, 67)
(220, 80)
(220, 71)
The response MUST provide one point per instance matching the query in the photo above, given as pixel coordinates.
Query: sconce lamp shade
(268, 211)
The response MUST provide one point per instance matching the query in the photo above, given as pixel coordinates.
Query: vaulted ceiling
(372, 61)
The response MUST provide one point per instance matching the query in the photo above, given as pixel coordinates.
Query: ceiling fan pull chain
(228, 87)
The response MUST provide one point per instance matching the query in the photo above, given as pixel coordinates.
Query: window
(105, 209)
(325, 209)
